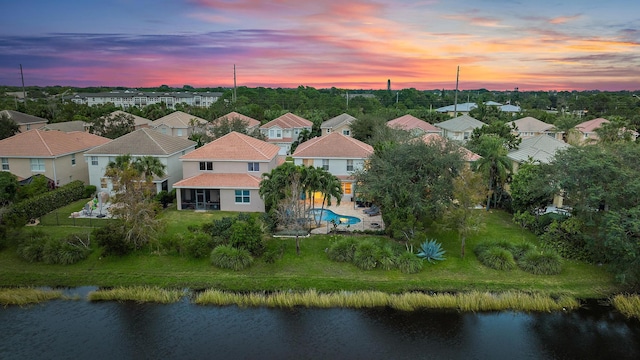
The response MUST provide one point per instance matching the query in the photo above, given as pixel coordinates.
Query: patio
(348, 208)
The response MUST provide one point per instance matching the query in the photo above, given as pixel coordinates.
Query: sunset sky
(356, 44)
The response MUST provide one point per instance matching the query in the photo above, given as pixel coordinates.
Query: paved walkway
(348, 208)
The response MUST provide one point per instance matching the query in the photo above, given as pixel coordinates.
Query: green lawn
(310, 270)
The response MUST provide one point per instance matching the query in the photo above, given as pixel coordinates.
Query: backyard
(310, 270)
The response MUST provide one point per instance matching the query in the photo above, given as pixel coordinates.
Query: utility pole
(24, 93)
(455, 99)
(235, 94)
(347, 101)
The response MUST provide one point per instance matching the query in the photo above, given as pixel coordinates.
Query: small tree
(8, 127)
(8, 187)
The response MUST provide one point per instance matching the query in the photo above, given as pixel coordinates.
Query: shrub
(112, 238)
(409, 263)
(519, 250)
(387, 258)
(567, 239)
(89, 191)
(220, 227)
(431, 250)
(228, 257)
(366, 255)
(247, 234)
(66, 251)
(497, 258)
(273, 252)
(541, 263)
(31, 247)
(197, 245)
(342, 250)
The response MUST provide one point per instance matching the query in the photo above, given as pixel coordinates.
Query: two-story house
(340, 124)
(225, 174)
(529, 127)
(459, 128)
(338, 154)
(179, 124)
(26, 122)
(414, 125)
(55, 154)
(284, 130)
(143, 142)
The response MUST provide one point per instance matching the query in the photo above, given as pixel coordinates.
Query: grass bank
(26, 296)
(310, 270)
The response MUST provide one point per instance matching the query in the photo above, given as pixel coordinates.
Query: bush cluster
(228, 257)
(369, 254)
(20, 213)
(38, 246)
(112, 239)
(503, 255)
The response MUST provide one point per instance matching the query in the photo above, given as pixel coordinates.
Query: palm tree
(494, 164)
(330, 186)
(149, 166)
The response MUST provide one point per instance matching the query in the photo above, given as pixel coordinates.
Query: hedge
(19, 213)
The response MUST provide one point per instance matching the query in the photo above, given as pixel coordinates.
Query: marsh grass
(410, 301)
(25, 296)
(140, 294)
(627, 305)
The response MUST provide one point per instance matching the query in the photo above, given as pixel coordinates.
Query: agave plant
(431, 250)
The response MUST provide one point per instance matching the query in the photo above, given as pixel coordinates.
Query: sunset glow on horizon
(498, 44)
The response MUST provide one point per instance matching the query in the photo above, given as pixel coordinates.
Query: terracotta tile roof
(467, 155)
(591, 125)
(337, 121)
(232, 181)
(409, 122)
(288, 121)
(40, 143)
(460, 123)
(235, 146)
(334, 145)
(251, 122)
(531, 124)
(22, 118)
(144, 142)
(178, 120)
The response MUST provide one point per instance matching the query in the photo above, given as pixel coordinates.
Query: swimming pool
(328, 216)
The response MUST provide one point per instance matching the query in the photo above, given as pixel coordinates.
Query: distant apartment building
(129, 98)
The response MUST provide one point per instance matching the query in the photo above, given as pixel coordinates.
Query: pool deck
(348, 208)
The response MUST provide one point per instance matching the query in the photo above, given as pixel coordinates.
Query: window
(346, 132)
(349, 165)
(466, 135)
(37, 165)
(179, 132)
(206, 165)
(28, 126)
(94, 160)
(73, 159)
(328, 131)
(325, 164)
(253, 166)
(346, 188)
(243, 197)
(5, 164)
(275, 133)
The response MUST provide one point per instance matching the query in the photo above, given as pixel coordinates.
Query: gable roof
(143, 142)
(464, 107)
(337, 121)
(208, 180)
(39, 143)
(460, 123)
(334, 145)
(177, 120)
(22, 118)
(409, 122)
(540, 148)
(288, 121)
(235, 146)
(137, 120)
(467, 155)
(67, 126)
(510, 108)
(591, 125)
(531, 124)
(251, 122)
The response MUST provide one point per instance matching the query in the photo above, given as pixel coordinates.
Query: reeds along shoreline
(627, 305)
(410, 301)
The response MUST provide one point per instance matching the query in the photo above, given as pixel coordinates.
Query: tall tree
(112, 126)
(531, 187)
(494, 164)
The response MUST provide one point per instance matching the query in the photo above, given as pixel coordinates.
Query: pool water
(328, 216)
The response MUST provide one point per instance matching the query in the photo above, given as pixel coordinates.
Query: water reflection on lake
(111, 330)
